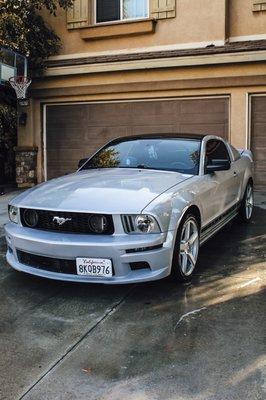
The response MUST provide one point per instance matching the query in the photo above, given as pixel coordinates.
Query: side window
(216, 150)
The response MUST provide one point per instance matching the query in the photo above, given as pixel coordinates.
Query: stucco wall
(195, 21)
(243, 21)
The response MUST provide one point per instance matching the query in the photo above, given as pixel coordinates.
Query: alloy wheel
(189, 247)
(249, 202)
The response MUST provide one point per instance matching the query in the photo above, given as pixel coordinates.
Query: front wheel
(186, 249)
(247, 205)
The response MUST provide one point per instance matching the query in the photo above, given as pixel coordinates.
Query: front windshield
(177, 154)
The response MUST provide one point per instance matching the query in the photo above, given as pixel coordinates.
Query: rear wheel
(186, 249)
(247, 205)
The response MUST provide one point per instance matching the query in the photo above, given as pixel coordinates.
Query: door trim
(249, 113)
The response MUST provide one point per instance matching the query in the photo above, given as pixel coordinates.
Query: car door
(222, 186)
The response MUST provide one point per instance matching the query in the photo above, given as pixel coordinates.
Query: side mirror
(81, 162)
(217, 165)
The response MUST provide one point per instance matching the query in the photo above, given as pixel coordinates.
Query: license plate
(94, 267)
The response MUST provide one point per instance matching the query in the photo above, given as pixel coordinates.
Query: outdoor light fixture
(23, 119)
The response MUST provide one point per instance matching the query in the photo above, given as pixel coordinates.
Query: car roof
(163, 136)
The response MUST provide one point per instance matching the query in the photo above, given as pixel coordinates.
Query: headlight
(142, 223)
(13, 214)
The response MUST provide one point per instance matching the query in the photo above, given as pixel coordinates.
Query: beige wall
(245, 22)
(195, 21)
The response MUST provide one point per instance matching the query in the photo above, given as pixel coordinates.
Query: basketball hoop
(20, 84)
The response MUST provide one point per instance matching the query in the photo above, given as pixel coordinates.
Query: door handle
(235, 174)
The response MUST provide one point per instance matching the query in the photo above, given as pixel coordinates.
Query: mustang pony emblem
(61, 220)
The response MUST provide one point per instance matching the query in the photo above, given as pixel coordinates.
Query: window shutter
(161, 9)
(78, 14)
(259, 5)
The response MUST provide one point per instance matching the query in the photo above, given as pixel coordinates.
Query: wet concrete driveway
(199, 341)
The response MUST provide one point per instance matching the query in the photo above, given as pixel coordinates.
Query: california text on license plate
(94, 266)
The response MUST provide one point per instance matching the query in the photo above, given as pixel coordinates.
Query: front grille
(128, 223)
(47, 263)
(75, 222)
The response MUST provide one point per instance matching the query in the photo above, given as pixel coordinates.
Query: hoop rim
(20, 84)
(21, 78)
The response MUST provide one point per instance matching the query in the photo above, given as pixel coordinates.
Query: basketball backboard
(11, 64)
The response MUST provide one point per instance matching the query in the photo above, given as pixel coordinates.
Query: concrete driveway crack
(74, 346)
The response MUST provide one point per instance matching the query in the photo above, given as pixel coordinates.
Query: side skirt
(218, 223)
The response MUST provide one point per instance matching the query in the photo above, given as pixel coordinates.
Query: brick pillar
(26, 166)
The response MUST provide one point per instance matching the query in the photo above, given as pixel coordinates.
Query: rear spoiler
(246, 153)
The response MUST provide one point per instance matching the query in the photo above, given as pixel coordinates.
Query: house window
(115, 10)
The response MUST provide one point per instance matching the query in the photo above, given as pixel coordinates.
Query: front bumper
(71, 246)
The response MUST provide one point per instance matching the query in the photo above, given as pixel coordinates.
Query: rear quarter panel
(245, 166)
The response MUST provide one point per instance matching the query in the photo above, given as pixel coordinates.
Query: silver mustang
(137, 210)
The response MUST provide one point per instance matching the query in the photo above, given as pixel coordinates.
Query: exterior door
(221, 191)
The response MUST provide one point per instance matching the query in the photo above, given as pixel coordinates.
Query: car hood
(105, 191)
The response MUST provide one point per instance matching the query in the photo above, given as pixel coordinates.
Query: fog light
(139, 265)
(98, 223)
(31, 218)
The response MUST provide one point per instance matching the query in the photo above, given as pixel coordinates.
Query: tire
(185, 254)
(247, 204)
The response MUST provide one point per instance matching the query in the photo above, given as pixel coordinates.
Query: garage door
(76, 131)
(258, 139)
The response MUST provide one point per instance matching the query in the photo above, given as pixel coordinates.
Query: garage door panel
(153, 129)
(153, 111)
(204, 106)
(260, 175)
(260, 118)
(106, 114)
(201, 119)
(146, 120)
(217, 129)
(258, 139)
(77, 131)
(102, 134)
(258, 104)
(258, 145)
(69, 138)
(260, 156)
(259, 131)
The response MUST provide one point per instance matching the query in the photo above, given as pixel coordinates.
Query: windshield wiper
(143, 166)
(140, 166)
